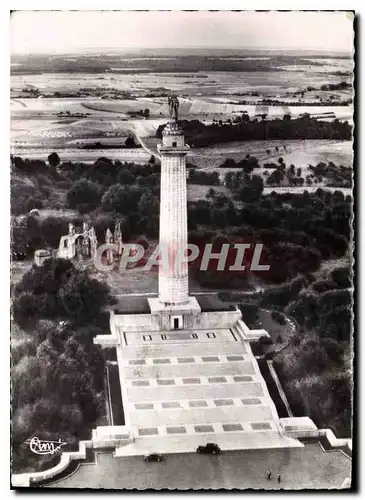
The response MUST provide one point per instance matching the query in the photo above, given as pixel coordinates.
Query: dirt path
(18, 101)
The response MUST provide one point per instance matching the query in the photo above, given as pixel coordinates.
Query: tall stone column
(173, 274)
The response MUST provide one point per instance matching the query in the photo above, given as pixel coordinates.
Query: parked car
(209, 448)
(154, 457)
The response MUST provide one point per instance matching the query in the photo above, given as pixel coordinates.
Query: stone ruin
(83, 243)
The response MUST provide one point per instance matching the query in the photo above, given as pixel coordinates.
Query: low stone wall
(334, 441)
(133, 322)
(250, 335)
(27, 479)
(218, 319)
(304, 428)
(110, 436)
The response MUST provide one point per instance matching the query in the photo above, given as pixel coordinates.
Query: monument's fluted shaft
(173, 270)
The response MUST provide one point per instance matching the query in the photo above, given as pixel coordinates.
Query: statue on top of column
(173, 103)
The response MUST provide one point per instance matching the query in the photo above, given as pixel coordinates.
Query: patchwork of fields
(41, 124)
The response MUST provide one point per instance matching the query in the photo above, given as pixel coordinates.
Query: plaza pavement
(307, 467)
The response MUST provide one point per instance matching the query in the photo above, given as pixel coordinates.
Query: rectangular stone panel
(203, 428)
(179, 336)
(140, 383)
(259, 426)
(176, 430)
(191, 380)
(161, 361)
(216, 380)
(143, 406)
(166, 381)
(137, 361)
(210, 358)
(198, 404)
(234, 358)
(185, 360)
(171, 404)
(223, 402)
(242, 378)
(251, 401)
(150, 431)
(232, 427)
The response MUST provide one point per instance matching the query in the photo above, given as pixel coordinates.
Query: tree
(149, 204)
(274, 178)
(25, 307)
(34, 203)
(121, 199)
(125, 176)
(58, 290)
(54, 159)
(52, 230)
(34, 233)
(211, 194)
(342, 277)
(130, 142)
(82, 297)
(84, 192)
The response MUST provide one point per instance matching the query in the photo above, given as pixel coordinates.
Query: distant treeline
(116, 63)
(199, 135)
(129, 143)
(278, 102)
(332, 86)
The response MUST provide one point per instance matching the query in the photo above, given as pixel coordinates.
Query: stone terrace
(188, 387)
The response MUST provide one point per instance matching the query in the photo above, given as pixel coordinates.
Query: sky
(78, 31)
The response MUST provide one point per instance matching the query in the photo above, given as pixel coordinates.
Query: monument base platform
(191, 306)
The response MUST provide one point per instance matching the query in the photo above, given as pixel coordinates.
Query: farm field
(45, 123)
(196, 192)
(85, 156)
(36, 132)
(300, 153)
(137, 75)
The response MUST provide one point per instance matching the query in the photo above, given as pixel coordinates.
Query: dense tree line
(58, 290)
(196, 176)
(32, 183)
(57, 371)
(286, 103)
(107, 172)
(297, 230)
(305, 127)
(318, 358)
(316, 378)
(247, 164)
(127, 192)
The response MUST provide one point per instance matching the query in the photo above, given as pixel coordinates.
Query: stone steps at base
(189, 443)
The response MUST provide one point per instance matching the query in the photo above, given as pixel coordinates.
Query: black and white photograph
(182, 251)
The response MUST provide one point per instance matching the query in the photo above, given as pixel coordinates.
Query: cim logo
(43, 447)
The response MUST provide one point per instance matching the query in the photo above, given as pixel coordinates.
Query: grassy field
(300, 153)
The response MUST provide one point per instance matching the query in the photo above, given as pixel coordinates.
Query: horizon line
(195, 47)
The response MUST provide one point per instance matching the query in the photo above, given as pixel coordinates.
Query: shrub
(278, 317)
(54, 159)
